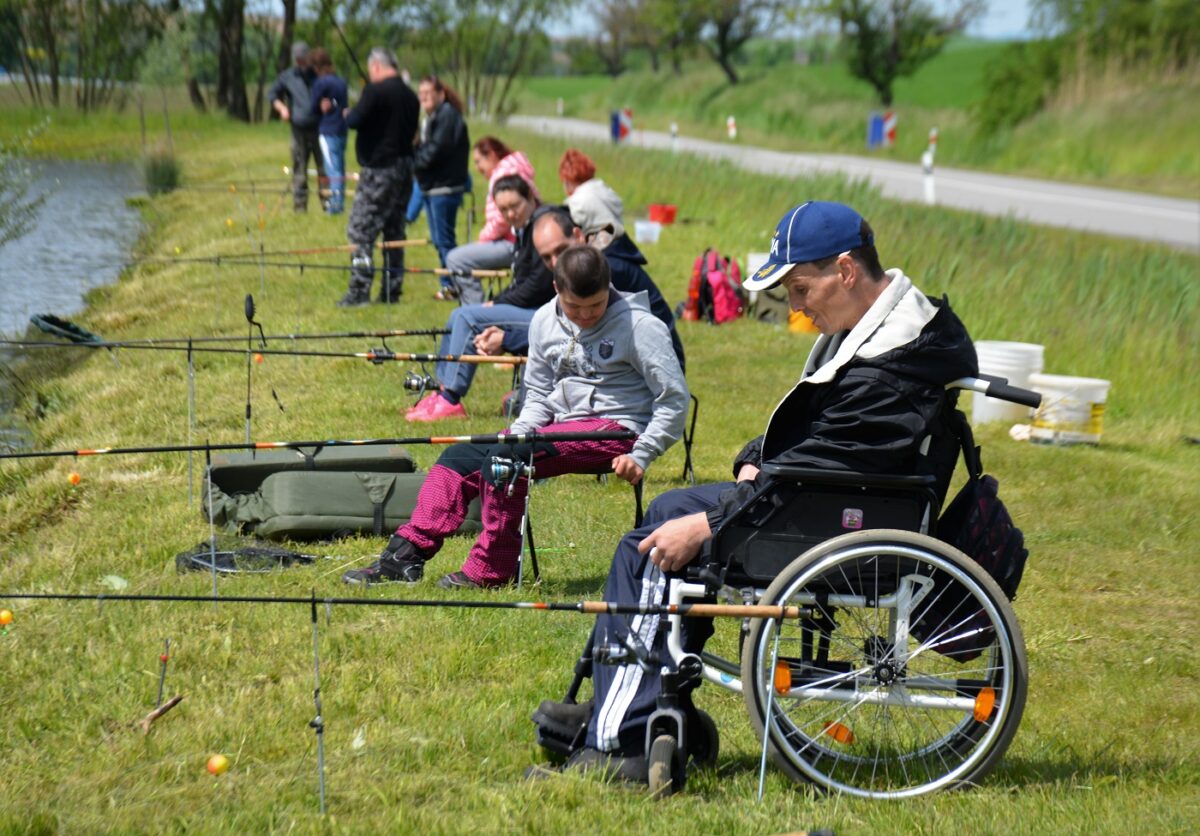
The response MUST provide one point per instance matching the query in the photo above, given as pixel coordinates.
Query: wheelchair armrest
(813, 475)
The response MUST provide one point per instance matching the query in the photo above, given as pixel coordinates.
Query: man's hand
(627, 469)
(488, 303)
(747, 473)
(283, 111)
(675, 543)
(490, 341)
(326, 105)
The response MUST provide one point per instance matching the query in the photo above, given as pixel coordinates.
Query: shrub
(162, 172)
(1017, 85)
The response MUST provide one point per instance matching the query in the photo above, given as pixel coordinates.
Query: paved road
(1107, 211)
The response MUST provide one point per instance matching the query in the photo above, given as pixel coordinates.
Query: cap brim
(767, 276)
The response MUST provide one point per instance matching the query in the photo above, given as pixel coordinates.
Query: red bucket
(663, 213)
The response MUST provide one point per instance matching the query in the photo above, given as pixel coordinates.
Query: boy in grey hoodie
(599, 360)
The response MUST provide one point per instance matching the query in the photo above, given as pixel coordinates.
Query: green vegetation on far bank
(1116, 134)
(426, 711)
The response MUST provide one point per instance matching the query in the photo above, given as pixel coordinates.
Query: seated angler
(598, 361)
(532, 286)
(871, 398)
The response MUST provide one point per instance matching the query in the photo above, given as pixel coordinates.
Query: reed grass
(426, 710)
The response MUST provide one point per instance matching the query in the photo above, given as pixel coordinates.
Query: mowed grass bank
(426, 710)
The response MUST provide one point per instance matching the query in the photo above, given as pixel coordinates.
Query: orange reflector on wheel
(985, 701)
(783, 678)
(839, 733)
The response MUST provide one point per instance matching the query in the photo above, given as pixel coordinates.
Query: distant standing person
(494, 249)
(441, 164)
(329, 97)
(386, 121)
(291, 97)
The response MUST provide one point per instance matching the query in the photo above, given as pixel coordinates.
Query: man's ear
(848, 268)
(577, 236)
(554, 284)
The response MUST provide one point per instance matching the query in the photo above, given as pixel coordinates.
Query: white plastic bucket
(646, 232)
(1014, 361)
(1072, 410)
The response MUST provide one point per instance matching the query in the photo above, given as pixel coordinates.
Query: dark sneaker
(353, 300)
(564, 713)
(399, 563)
(633, 770)
(458, 580)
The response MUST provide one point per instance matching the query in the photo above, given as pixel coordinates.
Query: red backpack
(715, 292)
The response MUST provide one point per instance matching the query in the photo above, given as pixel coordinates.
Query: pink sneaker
(423, 405)
(439, 409)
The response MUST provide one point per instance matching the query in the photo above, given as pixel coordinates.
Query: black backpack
(977, 524)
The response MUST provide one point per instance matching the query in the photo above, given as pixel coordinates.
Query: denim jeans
(415, 203)
(441, 211)
(333, 155)
(465, 324)
(481, 255)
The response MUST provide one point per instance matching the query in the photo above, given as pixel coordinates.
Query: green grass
(441, 697)
(1137, 137)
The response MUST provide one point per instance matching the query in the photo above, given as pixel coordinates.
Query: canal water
(80, 239)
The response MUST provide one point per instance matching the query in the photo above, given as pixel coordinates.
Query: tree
(231, 37)
(481, 46)
(615, 21)
(728, 24)
(890, 40)
(667, 27)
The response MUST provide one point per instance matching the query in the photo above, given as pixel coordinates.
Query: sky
(1004, 20)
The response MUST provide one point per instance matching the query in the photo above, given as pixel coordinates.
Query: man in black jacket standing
(290, 97)
(386, 120)
(871, 396)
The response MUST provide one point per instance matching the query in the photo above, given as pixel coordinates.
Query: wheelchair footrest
(561, 728)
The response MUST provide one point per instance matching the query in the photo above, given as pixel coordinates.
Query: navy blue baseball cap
(809, 232)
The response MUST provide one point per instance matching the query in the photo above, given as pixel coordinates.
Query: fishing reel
(508, 471)
(414, 382)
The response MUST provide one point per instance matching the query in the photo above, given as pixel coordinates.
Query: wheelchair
(905, 672)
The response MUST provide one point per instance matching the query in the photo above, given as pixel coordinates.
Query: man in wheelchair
(870, 398)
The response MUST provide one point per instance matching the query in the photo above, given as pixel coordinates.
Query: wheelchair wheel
(907, 676)
(662, 766)
(703, 739)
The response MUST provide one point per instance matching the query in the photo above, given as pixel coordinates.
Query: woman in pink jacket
(494, 249)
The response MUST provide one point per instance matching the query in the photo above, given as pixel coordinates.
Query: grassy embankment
(426, 710)
(1107, 132)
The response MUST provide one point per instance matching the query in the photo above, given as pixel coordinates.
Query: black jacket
(869, 397)
(293, 87)
(626, 261)
(441, 158)
(532, 283)
(386, 120)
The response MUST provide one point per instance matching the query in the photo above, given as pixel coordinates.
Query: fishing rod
(334, 335)
(377, 356)
(251, 261)
(487, 438)
(583, 607)
(333, 248)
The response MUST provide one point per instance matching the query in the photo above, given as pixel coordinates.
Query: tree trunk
(285, 38)
(231, 81)
(195, 94)
(727, 65)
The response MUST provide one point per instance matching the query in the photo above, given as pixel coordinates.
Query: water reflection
(79, 239)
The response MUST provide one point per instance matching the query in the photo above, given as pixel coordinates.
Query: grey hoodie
(623, 368)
